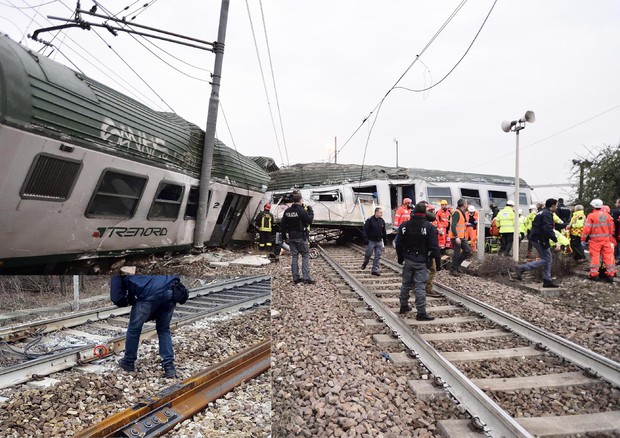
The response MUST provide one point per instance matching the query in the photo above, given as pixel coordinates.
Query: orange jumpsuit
(599, 227)
(471, 230)
(443, 220)
(403, 214)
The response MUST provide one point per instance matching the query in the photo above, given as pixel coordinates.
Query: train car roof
(43, 96)
(326, 174)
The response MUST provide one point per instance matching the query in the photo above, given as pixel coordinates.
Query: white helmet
(596, 203)
(520, 211)
(510, 202)
(533, 207)
(471, 209)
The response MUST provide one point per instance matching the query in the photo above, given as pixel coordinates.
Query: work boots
(549, 283)
(170, 371)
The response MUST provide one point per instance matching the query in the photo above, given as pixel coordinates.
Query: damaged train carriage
(343, 196)
(86, 171)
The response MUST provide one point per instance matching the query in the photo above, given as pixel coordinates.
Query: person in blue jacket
(151, 298)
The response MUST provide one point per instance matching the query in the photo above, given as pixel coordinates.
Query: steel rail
(497, 422)
(160, 413)
(46, 365)
(16, 332)
(595, 363)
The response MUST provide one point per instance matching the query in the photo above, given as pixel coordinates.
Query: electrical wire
(544, 139)
(28, 7)
(273, 78)
(260, 65)
(459, 61)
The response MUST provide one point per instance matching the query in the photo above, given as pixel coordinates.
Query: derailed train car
(344, 195)
(86, 171)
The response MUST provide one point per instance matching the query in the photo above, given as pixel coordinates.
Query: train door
(228, 219)
(398, 193)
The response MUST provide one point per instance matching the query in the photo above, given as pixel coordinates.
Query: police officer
(416, 247)
(295, 223)
(264, 224)
(151, 298)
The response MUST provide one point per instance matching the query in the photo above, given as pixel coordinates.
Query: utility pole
(396, 141)
(335, 150)
(207, 155)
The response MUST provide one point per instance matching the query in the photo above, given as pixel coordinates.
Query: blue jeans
(377, 247)
(160, 307)
(415, 275)
(546, 260)
(300, 246)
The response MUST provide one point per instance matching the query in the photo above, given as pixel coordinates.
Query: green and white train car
(86, 171)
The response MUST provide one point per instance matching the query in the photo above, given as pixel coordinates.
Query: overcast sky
(334, 61)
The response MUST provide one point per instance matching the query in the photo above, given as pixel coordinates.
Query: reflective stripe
(460, 227)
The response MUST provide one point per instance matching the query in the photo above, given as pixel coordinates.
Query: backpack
(180, 294)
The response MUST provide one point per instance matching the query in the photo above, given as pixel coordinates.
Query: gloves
(438, 264)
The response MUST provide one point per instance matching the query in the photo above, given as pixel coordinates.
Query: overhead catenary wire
(428, 44)
(273, 78)
(260, 65)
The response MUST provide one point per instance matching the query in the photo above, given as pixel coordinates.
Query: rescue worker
(457, 236)
(150, 297)
(563, 213)
(506, 222)
(403, 213)
(295, 222)
(534, 208)
(264, 224)
(599, 228)
(615, 214)
(542, 234)
(577, 222)
(416, 245)
(443, 223)
(471, 227)
(432, 270)
(374, 233)
(522, 225)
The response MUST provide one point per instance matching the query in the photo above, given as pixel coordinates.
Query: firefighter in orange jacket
(599, 227)
(443, 222)
(403, 214)
(471, 224)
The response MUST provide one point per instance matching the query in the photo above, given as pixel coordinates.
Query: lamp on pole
(516, 126)
(396, 141)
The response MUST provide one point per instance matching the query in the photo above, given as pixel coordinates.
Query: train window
(472, 197)
(167, 202)
(282, 198)
(498, 198)
(191, 209)
(327, 196)
(437, 194)
(366, 194)
(523, 199)
(117, 195)
(50, 178)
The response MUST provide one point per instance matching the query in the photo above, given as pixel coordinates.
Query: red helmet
(407, 201)
(430, 207)
(267, 206)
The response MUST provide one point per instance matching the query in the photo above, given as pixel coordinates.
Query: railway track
(495, 366)
(87, 336)
(173, 405)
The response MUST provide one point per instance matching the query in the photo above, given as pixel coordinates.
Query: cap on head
(596, 203)
(444, 202)
(510, 202)
(407, 201)
(471, 209)
(267, 206)
(430, 207)
(578, 207)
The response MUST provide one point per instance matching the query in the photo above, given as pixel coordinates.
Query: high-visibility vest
(577, 223)
(522, 225)
(599, 225)
(403, 214)
(265, 222)
(506, 220)
(460, 226)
